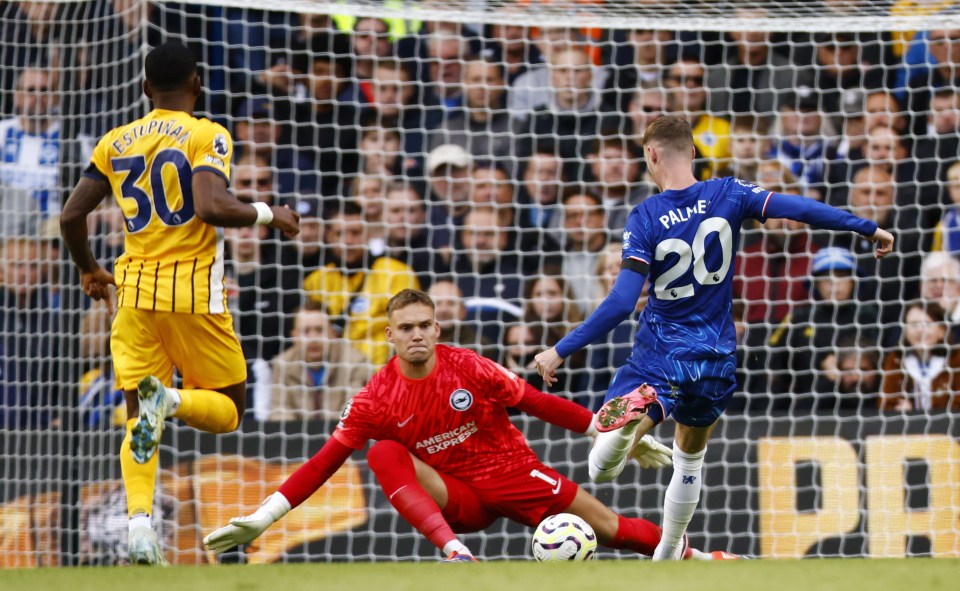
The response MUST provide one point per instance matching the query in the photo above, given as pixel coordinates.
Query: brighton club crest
(461, 399)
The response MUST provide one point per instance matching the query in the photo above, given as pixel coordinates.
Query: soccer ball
(564, 537)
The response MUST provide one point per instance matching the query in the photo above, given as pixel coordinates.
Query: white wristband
(264, 213)
(275, 506)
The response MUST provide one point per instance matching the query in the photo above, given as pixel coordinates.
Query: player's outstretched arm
(822, 216)
(219, 207)
(294, 491)
(87, 195)
(614, 309)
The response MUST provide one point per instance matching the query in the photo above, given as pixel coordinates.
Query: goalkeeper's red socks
(393, 466)
(635, 534)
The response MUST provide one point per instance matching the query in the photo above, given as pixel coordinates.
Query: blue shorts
(695, 392)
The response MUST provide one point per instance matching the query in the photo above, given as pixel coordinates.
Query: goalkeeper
(447, 456)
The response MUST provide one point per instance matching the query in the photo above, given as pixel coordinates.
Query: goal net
(490, 151)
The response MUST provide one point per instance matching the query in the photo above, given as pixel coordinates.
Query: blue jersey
(686, 241)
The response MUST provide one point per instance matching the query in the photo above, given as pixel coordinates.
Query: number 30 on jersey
(694, 254)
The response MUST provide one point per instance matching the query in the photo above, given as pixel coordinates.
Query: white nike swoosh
(556, 490)
(401, 424)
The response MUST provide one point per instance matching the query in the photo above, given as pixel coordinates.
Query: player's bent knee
(386, 454)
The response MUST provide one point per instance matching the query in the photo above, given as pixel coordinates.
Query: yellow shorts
(202, 346)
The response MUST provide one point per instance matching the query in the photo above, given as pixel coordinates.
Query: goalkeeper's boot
(459, 557)
(145, 547)
(155, 406)
(625, 409)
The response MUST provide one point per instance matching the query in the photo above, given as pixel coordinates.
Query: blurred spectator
(541, 178)
(316, 377)
(572, 116)
(252, 179)
(651, 53)
(310, 238)
(892, 279)
(380, 151)
(29, 33)
(29, 325)
(532, 89)
(448, 170)
(371, 43)
(586, 237)
(512, 49)
(266, 292)
(800, 142)
(407, 235)
(944, 48)
(30, 168)
(946, 236)
(483, 126)
(843, 65)
(397, 104)
(806, 343)
(487, 270)
(369, 192)
(101, 403)
(492, 184)
(852, 376)
(353, 288)
(751, 76)
(259, 130)
(451, 315)
(923, 372)
(447, 50)
(325, 127)
(940, 284)
(615, 168)
(549, 311)
(648, 102)
(687, 98)
(749, 146)
(939, 146)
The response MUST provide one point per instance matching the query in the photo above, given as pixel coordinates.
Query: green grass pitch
(767, 575)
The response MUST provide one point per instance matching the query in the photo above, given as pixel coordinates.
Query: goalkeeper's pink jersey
(455, 419)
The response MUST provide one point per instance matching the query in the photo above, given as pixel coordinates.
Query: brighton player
(447, 456)
(683, 362)
(169, 173)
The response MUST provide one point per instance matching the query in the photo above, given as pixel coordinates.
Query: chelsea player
(684, 357)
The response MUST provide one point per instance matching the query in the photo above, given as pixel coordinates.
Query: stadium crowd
(495, 166)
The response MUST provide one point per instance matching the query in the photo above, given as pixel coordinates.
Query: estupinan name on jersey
(159, 127)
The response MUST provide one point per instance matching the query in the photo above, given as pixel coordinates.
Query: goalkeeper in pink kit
(447, 456)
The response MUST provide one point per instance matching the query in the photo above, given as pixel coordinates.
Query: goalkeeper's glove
(243, 530)
(650, 453)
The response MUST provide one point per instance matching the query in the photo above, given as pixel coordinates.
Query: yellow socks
(207, 410)
(138, 479)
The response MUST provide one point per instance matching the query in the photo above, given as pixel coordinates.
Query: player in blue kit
(684, 357)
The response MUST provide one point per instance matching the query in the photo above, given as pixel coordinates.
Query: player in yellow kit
(169, 172)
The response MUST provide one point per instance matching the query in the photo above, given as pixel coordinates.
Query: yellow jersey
(359, 297)
(172, 260)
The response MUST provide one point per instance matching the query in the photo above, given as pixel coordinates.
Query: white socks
(681, 500)
(609, 453)
(174, 395)
(138, 520)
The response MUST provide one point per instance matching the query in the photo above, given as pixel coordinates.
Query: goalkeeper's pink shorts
(527, 496)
